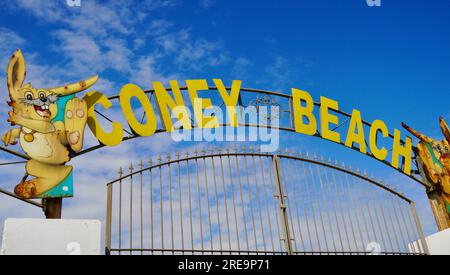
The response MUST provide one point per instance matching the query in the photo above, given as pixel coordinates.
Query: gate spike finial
(252, 149)
(219, 150)
(307, 155)
(322, 159)
(204, 151)
(315, 156)
(186, 153)
(131, 167)
(196, 152)
(211, 149)
(120, 172)
(227, 150)
(168, 156)
(141, 165)
(343, 165)
(329, 160)
(159, 158)
(150, 162)
(177, 155)
(244, 148)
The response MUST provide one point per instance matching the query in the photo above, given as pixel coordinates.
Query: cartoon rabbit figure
(51, 127)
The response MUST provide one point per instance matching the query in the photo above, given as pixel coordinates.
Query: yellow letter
(399, 150)
(358, 137)
(126, 94)
(165, 102)
(327, 118)
(231, 99)
(378, 126)
(199, 104)
(299, 112)
(116, 136)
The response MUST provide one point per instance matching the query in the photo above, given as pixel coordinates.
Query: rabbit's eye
(29, 96)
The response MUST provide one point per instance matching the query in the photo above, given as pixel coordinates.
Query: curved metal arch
(256, 154)
(255, 91)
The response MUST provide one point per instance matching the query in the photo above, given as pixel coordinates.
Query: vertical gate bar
(410, 223)
(190, 202)
(180, 202)
(359, 202)
(313, 212)
(274, 189)
(285, 222)
(120, 209)
(108, 218)
(287, 200)
(333, 204)
(304, 204)
(141, 210)
(251, 204)
(225, 198)
(368, 209)
(267, 201)
(353, 205)
(217, 201)
(259, 202)
(393, 197)
(199, 202)
(242, 199)
(325, 202)
(372, 197)
(233, 200)
(207, 200)
(161, 214)
(316, 195)
(380, 203)
(345, 197)
(131, 208)
(397, 242)
(151, 207)
(399, 201)
(341, 208)
(170, 203)
(294, 193)
(419, 228)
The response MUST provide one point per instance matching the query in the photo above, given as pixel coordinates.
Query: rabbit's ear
(75, 87)
(445, 129)
(16, 74)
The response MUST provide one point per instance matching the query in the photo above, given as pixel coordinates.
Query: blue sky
(391, 62)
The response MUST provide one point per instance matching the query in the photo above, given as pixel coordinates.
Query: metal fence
(230, 202)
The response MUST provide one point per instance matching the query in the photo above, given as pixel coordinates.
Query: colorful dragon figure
(435, 158)
(51, 125)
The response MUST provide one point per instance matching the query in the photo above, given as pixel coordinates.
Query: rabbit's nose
(44, 99)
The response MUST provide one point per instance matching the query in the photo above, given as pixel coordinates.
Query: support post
(53, 208)
(108, 219)
(439, 210)
(284, 217)
(419, 229)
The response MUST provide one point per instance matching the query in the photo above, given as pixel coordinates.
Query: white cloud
(206, 4)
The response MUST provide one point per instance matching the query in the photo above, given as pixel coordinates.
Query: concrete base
(438, 244)
(51, 237)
